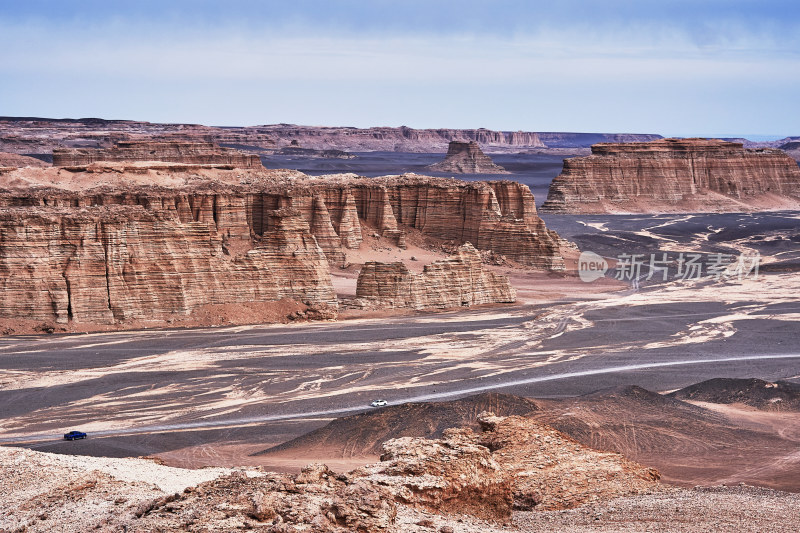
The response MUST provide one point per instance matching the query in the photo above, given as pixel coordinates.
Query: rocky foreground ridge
(467, 158)
(113, 242)
(512, 464)
(673, 175)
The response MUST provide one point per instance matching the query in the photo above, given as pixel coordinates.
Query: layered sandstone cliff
(115, 242)
(196, 153)
(116, 263)
(675, 175)
(458, 281)
(492, 215)
(467, 158)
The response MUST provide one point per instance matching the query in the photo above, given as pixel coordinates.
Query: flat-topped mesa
(195, 153)
(668, 146)
(674, 175)
(458, 281)
(467, 158)
(108, 244)
(499, 216)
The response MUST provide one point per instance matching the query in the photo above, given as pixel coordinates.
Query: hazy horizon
(756, 137)
(577, 66)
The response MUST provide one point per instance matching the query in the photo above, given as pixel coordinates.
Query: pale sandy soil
(166, 478)
(239, 455)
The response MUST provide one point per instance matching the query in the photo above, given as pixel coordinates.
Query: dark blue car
(74, 435)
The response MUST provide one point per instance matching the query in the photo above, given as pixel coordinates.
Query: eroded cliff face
(458, 281)
(107, 264)
(197, 153)
(116, 242)
(492, 215)
(467, 158)
(675, 175)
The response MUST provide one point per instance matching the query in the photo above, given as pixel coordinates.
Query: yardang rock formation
(675, 175)
(107, 243)
(467, 158)
(457, 281)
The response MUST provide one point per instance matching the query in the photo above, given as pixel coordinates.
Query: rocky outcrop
(454, 474)
(316, 499)
(513, 463)
(195, 153)
(459, 281)
(675, 175)
(459, 479)
(467, 158)
(103, 494)
(550, 470)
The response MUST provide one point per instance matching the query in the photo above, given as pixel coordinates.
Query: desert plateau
(430, 267)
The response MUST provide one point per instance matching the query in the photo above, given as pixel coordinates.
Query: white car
(379, 403)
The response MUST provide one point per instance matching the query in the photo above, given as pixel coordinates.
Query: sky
(671, 67)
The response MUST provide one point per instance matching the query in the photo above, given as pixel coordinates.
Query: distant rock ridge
(793, 145)
(467, 158)
(42, 135)
(674, 175)
(201, 153)
(15, 160)
(792, 148)
(458, 281)
(314, 154)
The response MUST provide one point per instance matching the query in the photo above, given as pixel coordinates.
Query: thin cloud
(498, 64)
